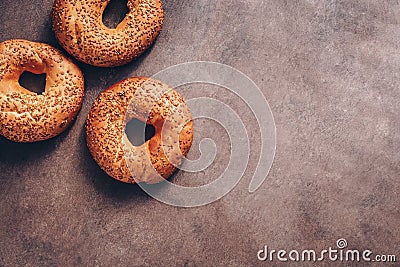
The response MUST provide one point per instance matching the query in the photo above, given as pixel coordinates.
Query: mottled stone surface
(331, 73)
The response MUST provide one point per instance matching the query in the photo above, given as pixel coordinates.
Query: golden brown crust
(79, 28)
(24, 115)
(150, 101)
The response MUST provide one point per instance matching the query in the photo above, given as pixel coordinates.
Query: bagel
(149, 101)
(26, 116)
(79, 28)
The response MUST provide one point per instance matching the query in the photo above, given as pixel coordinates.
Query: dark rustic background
(331, 73)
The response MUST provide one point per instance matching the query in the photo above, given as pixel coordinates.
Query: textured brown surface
(331, 73)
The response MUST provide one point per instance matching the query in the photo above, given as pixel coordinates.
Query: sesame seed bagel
(79, 28)
(149, 101)
(26, 116)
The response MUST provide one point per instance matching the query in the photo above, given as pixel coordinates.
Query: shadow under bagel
(14, 153)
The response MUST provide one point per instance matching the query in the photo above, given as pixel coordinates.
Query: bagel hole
(139, 132)
(114, 13)
(33, 82)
